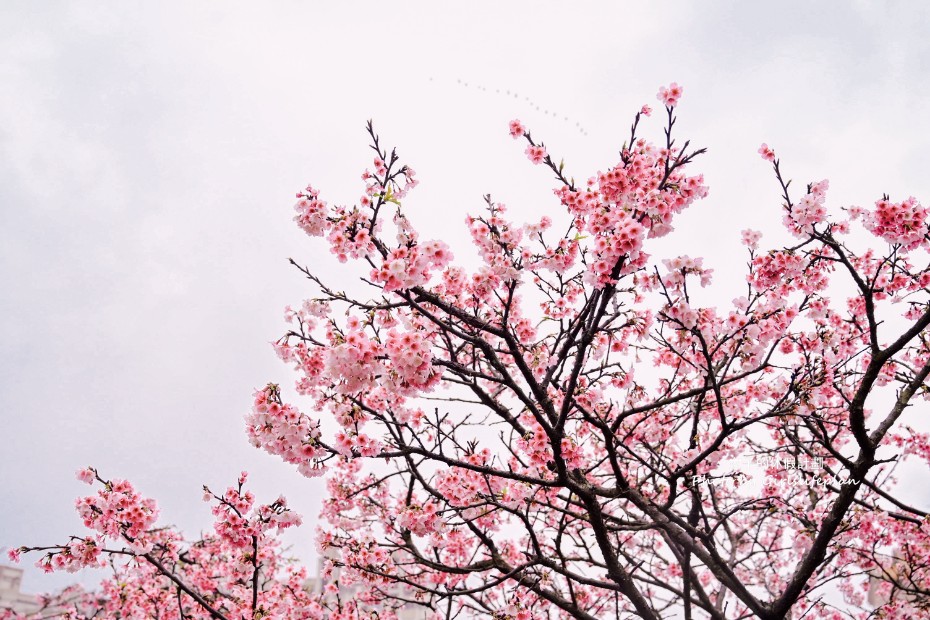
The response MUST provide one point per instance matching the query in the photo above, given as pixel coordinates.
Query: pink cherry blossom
(750, 238)
(670, 95)
(86, 475)
(766, 152)
(536, 154)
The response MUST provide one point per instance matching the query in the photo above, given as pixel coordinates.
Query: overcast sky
(149, 155)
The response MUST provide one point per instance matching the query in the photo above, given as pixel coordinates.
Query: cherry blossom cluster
(411, 265)
(282, 430)
(903, 223)
(311, 213)
(801, 217)
(239, 521)
(635, 200)
(237, 572)
(118, 511)
(669, 95)
(411, 361)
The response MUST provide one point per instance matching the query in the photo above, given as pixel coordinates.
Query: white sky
(149, 154)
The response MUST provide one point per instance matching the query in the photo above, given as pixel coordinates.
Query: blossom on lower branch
(237, 571)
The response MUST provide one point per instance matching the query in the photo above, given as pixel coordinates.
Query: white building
(410, 611)
(11, 597)
(895, 571)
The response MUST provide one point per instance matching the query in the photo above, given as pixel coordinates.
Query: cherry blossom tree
(237, 571)
(564, 432)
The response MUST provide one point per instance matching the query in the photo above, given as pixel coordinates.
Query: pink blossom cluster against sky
(148, 155)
